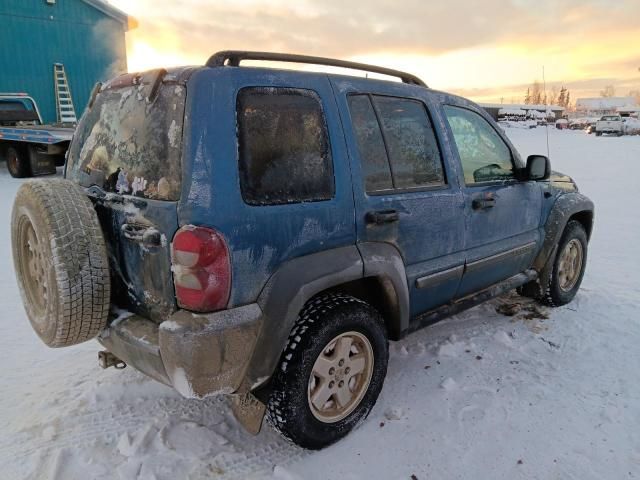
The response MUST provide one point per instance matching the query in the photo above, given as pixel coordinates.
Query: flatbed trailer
(29, 147)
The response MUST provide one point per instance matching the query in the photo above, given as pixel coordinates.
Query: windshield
(127, 144)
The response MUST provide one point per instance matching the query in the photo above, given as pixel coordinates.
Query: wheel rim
(34, 267)
(570, 265)
(340, 377)
(12, 161)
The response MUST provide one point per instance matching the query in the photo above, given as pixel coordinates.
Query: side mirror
(538, 168)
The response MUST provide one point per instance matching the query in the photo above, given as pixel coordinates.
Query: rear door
(405, 193)
(126, 152)
(502, 214)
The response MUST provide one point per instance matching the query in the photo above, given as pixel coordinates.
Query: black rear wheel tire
(321, 321)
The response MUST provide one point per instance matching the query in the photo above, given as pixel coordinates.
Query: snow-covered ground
(481, 395)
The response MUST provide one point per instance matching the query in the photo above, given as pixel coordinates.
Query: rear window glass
(284, 151)
(12, 105)
(129, 145)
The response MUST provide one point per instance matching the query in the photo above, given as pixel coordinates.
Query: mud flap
(41, 163)
(249, 411)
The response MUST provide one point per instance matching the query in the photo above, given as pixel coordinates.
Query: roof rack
(232, 58)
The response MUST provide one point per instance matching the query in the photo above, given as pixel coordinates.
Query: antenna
(546, 112)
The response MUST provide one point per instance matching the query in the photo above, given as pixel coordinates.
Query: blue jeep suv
(262, 233)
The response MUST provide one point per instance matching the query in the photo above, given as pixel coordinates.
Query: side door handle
(483, 203)
(381, 217)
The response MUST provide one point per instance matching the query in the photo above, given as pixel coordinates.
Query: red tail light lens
(201, 269)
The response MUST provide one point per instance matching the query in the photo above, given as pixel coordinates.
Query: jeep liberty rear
(263, 233)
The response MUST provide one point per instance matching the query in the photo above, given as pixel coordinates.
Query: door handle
(382, 216)
(483, 203)
(148, 236)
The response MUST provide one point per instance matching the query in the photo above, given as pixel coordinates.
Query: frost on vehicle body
(268, 231)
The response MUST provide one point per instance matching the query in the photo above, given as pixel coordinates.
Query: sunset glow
(488, 53)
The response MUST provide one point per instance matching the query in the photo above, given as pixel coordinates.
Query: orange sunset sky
(485, 50)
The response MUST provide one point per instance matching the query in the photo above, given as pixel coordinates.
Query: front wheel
(331, 371)
(568, 266)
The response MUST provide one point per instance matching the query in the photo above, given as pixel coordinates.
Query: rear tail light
(201, 269)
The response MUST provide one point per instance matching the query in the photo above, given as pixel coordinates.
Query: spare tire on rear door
(60, 261)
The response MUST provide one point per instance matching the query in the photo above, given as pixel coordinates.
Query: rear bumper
(198, 354)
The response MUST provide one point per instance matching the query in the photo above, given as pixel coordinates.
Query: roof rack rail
(233, 58)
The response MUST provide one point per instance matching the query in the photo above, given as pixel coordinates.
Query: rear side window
(397, 145)
(485, 157)
(284, 150)
(375, 165)
(411, 142)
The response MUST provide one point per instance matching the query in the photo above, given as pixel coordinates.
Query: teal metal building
(86, 36)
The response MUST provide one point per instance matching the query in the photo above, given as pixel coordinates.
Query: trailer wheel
(18, 161)
(61, 262)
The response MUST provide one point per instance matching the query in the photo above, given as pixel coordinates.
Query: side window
(396, 141)
(284, 152)
(375, 165)
(411, 142)
(484, 155)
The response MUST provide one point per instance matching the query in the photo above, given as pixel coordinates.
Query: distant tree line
(535, 95)
(610, 91)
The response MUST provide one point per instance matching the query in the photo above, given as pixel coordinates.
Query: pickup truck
(30, 147)
(610, 124)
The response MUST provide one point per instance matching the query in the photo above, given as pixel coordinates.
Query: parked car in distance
(263, 233)
(610, 124)
(562, 124)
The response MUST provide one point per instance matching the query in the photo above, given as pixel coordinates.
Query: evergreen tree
(562, 97)
(527, 97)
(609, 91)
(553, 97)
(536, 93)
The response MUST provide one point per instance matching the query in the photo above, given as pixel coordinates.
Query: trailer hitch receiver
(108, 359)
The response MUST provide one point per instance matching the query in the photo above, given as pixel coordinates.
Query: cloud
(590, 38)
(339, 28)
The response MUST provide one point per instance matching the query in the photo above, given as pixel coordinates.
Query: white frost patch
(131, 209)
(393, 413)
(281, 473)
(121, 315)
(49, 433)
(259, 382)
(170, 325)
(449, 384)
(181, 383)
(173, 134)
(194, 439)
(503, 338)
